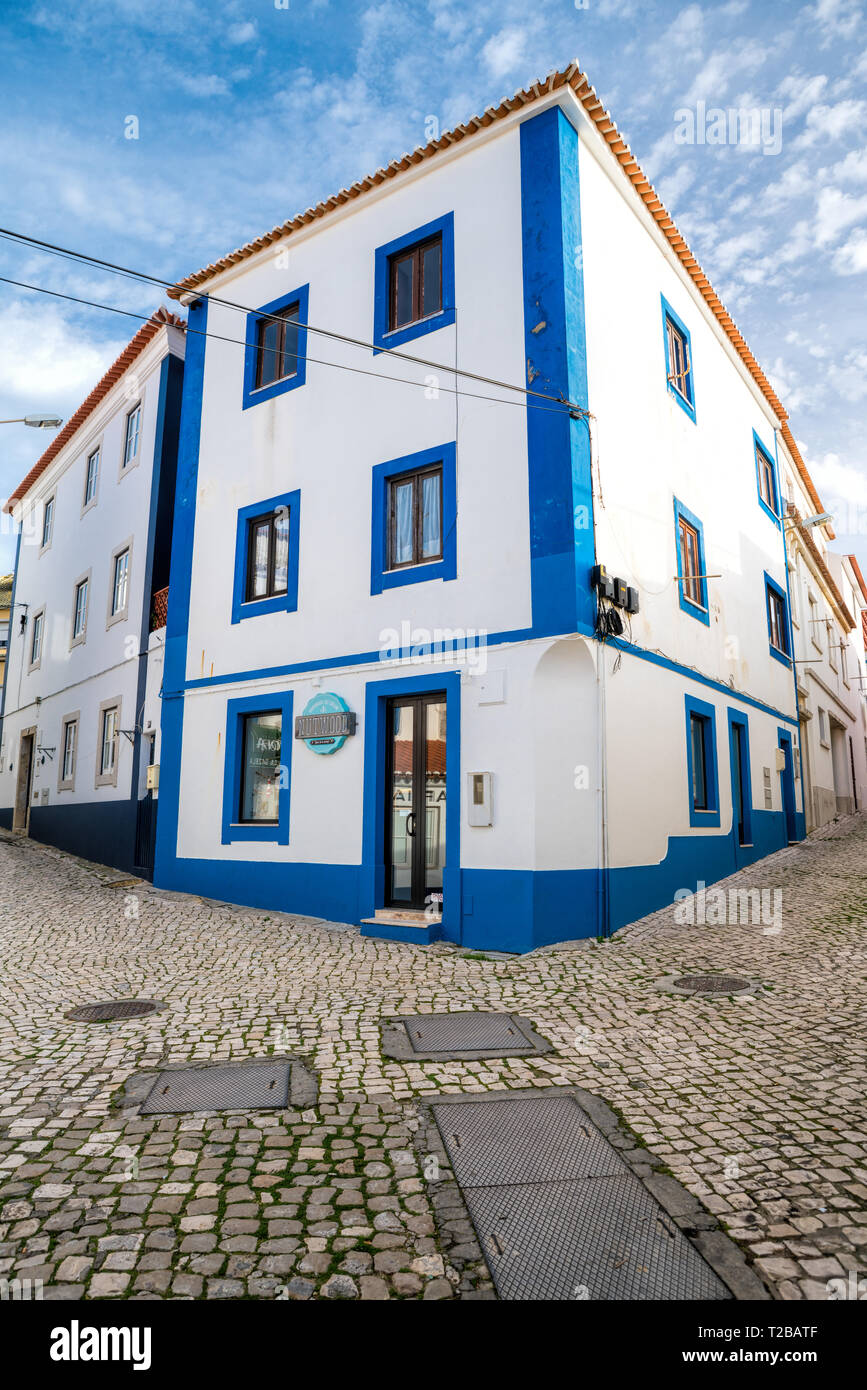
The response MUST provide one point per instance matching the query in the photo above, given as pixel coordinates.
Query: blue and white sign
(326, 724)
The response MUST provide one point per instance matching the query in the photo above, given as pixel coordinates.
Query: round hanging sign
(326, 724)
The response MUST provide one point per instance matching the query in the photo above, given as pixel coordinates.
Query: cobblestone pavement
(754, 1103)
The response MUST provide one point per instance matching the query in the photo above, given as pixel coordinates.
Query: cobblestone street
(754, 1103)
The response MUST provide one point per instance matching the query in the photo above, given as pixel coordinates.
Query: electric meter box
(480, 809)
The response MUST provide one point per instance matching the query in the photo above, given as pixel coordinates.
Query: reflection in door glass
(402, 804)
(435, 803)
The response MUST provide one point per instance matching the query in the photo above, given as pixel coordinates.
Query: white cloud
(242, 33)
(837, 19)
(803, 92)
(835, 211)
(43, 355)
(852, 169)
(832, 122)
(851, 258)
(502, 53)
(202, 85)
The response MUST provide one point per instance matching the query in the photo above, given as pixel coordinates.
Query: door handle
(410, 817)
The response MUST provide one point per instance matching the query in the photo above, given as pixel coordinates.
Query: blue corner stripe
(560, 488)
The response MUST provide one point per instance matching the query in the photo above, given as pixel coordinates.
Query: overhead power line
(21, 238)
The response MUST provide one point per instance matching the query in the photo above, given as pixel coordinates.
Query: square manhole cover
(597, 1239)
(254, 1086)
(520, 1141)
(470, 1035)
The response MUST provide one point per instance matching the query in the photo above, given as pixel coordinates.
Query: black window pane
(260, 781)
(269, 356)
(402, 272)
(432, 279)
(281, 553)
(290, 346)
(699, 770)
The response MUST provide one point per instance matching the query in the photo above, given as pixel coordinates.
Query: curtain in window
(281, 551)
(403, 524)
(431, 524)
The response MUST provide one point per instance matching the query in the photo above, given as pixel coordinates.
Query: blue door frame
(739, 763)
(787, 786)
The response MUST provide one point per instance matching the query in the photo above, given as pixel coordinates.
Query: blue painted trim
(252, 395)
(771, 584)
(739, 718)
(446, 568)
(802, 819)
(686, 403)
(759, 448)
(702, 613)
(235, 711)
(562, 535)
(445, 225)
(177, 626)
(372, 879)
(282, 603)
(787, 788)
(8, 661)
(707, 714)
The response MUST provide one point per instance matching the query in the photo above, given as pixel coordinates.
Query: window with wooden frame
(415, 517)
(777, 627)
(690, 562)
(767, 482)
(277, 345)
(268, 555)
(415, 289)
(679, 364)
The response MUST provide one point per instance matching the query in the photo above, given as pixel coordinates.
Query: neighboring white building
(81, 721)
(411, 570)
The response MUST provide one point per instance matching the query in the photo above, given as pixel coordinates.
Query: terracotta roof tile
(147, 331)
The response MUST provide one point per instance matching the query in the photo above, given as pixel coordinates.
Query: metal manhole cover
(711, 984)
(518, 1141)
(464, 1032)
(254, 1086)
(600, 1238)
(111, 1009)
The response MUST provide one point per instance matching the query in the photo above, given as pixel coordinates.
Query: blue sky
(249, 113)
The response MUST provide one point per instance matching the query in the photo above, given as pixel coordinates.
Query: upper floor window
(691, 574)
(823, 726)
(778, 625)
(766, 476)
(277, 346)
(815, 623)
(36, 639)
(275, 352)
(415, 283)
(90, 477)
(47, 522)
(120, 583)
(79, 617)
(131, 438)
(268, 555)
(678, 359)
(267, 547)
(415, 517)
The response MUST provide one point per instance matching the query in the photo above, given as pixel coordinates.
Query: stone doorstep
(401, 918)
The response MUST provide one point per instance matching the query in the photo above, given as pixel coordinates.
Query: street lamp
(36, 422)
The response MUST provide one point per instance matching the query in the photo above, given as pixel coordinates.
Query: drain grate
(469, 1035)
(711, 984)
(558, 1213)
(602, 1239)
(112, 1009)
(515, 1141)
(253, 1086)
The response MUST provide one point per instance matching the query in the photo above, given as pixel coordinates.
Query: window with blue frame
(766, 479)
(778, 621)
(266, 557)
(691, 571)
(414, 284)
(678, 359)
(413, 521)
(275, 353)
(702, 762)
(257, 768)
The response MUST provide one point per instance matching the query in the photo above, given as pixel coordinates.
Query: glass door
(416, 802)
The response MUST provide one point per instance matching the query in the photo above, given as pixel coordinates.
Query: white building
(81, 721)
(568, 761)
